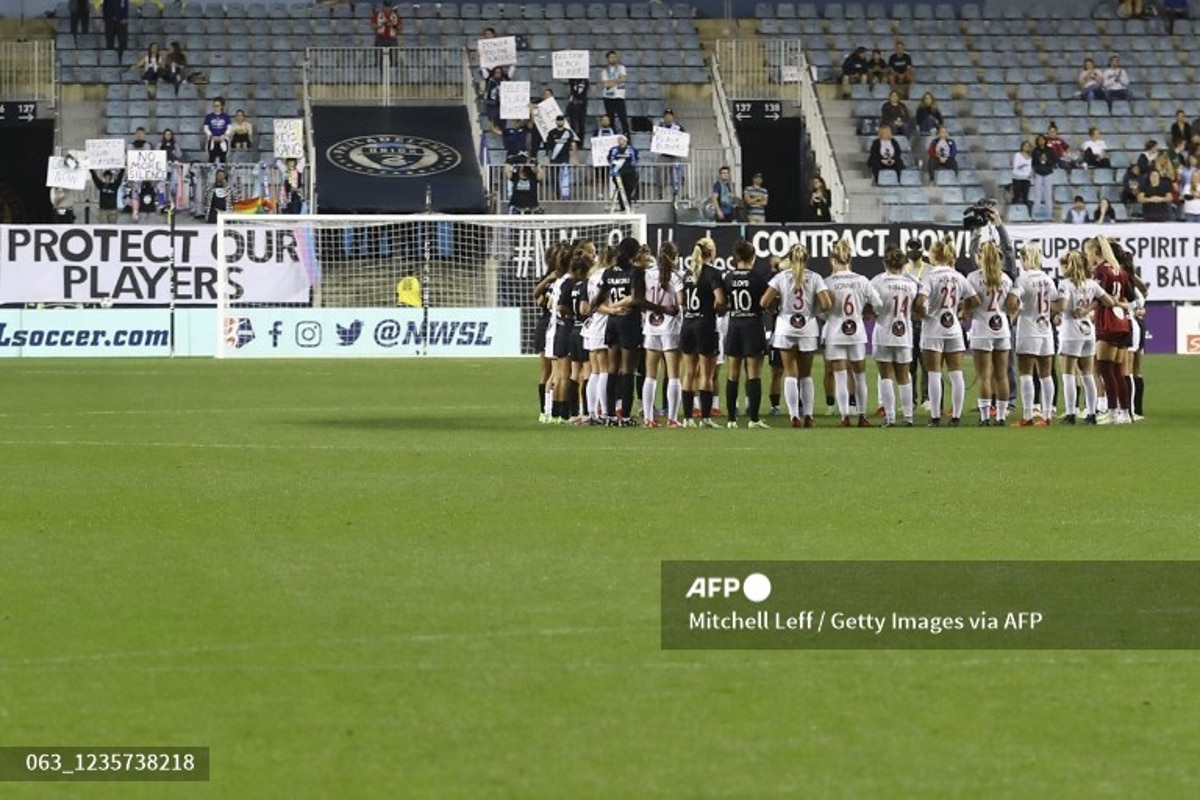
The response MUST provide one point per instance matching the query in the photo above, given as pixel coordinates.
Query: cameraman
(524, 176)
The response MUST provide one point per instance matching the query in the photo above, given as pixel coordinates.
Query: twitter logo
(348, 336)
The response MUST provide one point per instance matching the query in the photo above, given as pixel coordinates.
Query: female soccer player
(1078, 297)
(943, 298)
(1132, 366)
(704, 297)
(1035, 340)
(851, 298)
(661, 324)
(594, 330)
(746, 342)
(558, 338)
(1114, 331)
(893, 340)
(624, 334)
(801, 295)
(543, 333)
(568, 339)
(991, 335)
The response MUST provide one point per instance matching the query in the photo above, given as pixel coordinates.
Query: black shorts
(698, 336)
(774, 357)
(745, 339)
(624, 332)
(1124, 339)
(577, 352)
(539, 332)
(562, 341)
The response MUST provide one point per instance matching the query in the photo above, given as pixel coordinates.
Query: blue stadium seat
(901, 11)
(834, 11)
(888, 178)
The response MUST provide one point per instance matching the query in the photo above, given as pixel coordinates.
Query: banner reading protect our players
(128, 264)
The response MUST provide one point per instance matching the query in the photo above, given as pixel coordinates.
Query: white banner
(1167, 254)
(289, 138)
(544, 115)
(571, 64)
(131, 264)
(59, 175)
(514, 100)
(500, 51)
(600, 147)
(105, 154)
(146, 165)
(789, 74)
(670, 142)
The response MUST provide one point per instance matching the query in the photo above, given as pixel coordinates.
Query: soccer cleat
(863, 422)
(1002, 422)
(809, 422)
(907, 422)
(1104, 419)
(1037, 410)
(1041, 423)
(690, 423)
(830, 411)
(774, 412)
(1069, 419)
(936, 422)
(731, 423)
(557, 421)
(757, 423)
(706, 422)
(954, 421)
(1138, 417)
(716, 412)
(845, 423)
(984, 422)
(650, 423)
(543, 418)
(887, 423)
(628, 422)
(925, 405)
(1026, 423)
(674, 423)
(797, 422)
(881, 411)
(1090, 419)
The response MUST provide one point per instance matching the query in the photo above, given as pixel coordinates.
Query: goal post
(299, 286)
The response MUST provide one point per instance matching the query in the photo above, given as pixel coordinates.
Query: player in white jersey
(1078, 296)
(1035, 338)
(801, 295)
(594, 332)
(991, 334)
(661, 323)
(893, 339)
(851, 297)
(942, 301)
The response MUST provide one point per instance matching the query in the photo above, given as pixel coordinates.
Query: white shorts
(893, 354)
(594, 331)
(548, 345)
(661, 342)
(940, 344)
(1077, 348)
(845, 352)
(722, 330)
(987, 344)
(806, 344)
(1035, 346)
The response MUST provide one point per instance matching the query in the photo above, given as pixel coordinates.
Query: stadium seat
(888, 178)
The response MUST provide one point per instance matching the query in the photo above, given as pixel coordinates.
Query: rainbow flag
(254, 205)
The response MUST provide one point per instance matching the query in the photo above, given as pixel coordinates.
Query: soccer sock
(559, 409)
(603, 399)
(774, 399)
(1070, 394)
(666, 394)
(1002, 410)
(542, 397)
(879, 392)
(985, 408)
(1140, 385)
(1026, 396)
(906, 399)
(861, 398)
(611, 390)
(808, 395)
(627, 393)
(829, 400)
(674, 390)
(887, 398)
(572, 398)
(1089, 394)
(731, 394)
(706, 404)
(958, 393)
(548, 401)
(649, 390)
(1047, 382)
(1131, 387)
(689, 403)
(791, 395)
(934, 380)
(754, 397)
(841, 392)
(589, 391)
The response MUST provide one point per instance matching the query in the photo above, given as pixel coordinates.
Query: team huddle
(610, 315)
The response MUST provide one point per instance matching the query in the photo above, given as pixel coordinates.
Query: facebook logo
(276, 332)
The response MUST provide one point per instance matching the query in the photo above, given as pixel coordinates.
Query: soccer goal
(376, 285)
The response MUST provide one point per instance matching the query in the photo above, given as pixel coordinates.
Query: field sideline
(381, 579)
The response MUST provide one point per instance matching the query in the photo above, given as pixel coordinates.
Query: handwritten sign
(514, 100)
(670, 142)
(60, 175)
(146, 165)
(105, 153)
(600, 147)
(571, 64)
(289, 138)
(790, 74)
(544, 115)
(498, 52)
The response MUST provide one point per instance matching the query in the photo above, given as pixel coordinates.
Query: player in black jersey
(704, 297)
(746, 341)
(568, 340)
(624, 335)
(541, 330)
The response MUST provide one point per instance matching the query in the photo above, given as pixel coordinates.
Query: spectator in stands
(1191, 198)
(216, 129)
(292, 190)
(1022, 173)
(484, 72)
(877, 67)
(1148, 156)
(171, 146)
(1060, 147)
(622, 168)
(613, 78)
(386, 23)
(491, 96)
(1077, 213)
(220, 196)
(1095, 151)
(80, 11)
(109, 187)
(928, 119)
(1180, 128)
(176, 66)
(1044, 163)
(1131, 184)
(144, 199)
(1091, 81)
(1183, 176)
(63, 211)
(943, 153)
(1165, 168)
(894, 114)
(241, 138)
(577, 102)
(1104, 212)
(152, 67)
(516, 141)
(1116, 82)
(885, 154)
(900, 68)
(139, 139)
(1158, 204)
(818, 201)
(855, 69)
(1178, 154)
(755, 198)
(1173, 10)
(676, 172)
(116, 26)
(725, 199)
(561, 144)
(605, 129)
(523, 181)
(536, 143)
(1131, 8)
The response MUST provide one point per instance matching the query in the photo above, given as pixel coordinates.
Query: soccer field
(362, 579)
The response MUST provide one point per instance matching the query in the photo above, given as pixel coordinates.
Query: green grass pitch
(382, 579)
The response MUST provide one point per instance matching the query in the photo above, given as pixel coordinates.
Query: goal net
(376, 285)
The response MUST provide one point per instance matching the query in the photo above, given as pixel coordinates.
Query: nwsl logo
(238, 332)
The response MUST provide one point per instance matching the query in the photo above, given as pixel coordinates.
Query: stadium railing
(385, 75)
(27, 70)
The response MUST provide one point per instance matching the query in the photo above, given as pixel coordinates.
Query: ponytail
(989, 261)
(942, 252)
(1031, 256)
(668, 260)
(843, 252)
(1074, 268)
(703, 246)
(798, 259)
